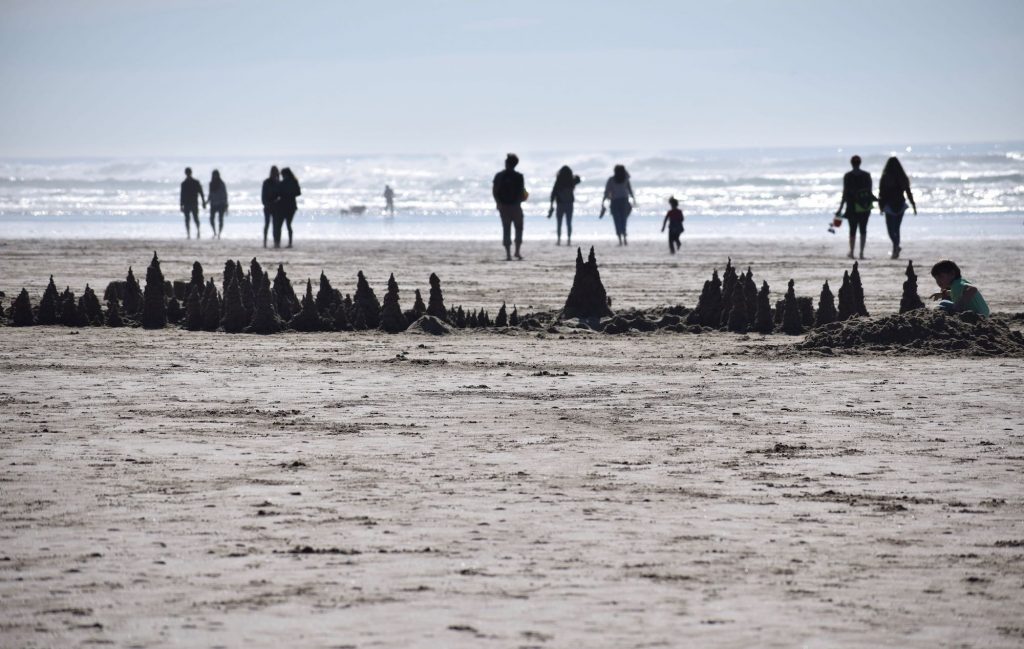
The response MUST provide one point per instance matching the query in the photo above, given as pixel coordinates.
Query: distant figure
(563, 196)
(891, 189)
(286, 205)
(957, 294)
(218, 203)
(619, 192)
(268, 196)
(858, 199)
(191, 192)
(389, 200)
(674, 221)
(509, 191)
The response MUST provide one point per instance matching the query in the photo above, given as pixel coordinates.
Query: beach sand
(168, 488)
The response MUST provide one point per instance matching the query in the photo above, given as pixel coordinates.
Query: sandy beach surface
(571, 489)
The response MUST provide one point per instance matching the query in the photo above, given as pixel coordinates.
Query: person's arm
(842, 200)
(941, 295)
(202, 195)
(965, 298)
(181, 198)
(629, 186)
(910, 197)
(494, 190)
(664, 222)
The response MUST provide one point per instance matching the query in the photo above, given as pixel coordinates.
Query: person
(191, 192)
(619, 192)
(858, 199)
(218, 203)
(891, 188)
(563, 196)
(389, 200)
(509, 191)
(956, 292)
(286, 205)
(674, 221)
(268, 196)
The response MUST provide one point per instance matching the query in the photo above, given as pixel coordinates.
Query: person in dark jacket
(619, 192)
(563, 197)
(286, 205)
(218, 203)
(191, 192)
(892, 187)
(268, 196)
(858, 199)
(509, 191)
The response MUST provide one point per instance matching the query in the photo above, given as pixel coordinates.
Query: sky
(338, 77)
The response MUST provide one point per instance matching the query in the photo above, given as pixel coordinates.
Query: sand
(518, 489)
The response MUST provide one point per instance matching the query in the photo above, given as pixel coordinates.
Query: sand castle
(910, 299)
(732, 303)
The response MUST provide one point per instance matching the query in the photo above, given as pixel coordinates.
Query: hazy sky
(176, 77)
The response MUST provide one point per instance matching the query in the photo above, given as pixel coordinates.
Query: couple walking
(859, 199)
(280, 191)
(617, 190)
(192, 192)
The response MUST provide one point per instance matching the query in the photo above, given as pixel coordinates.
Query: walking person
(892, 187)
(563, 197)
(389, 200)
(858, 199)
(619, 191)
(191, 192)
(268, 196)
(218, 199)
(286, 205)
(509, 191)
(674, 221)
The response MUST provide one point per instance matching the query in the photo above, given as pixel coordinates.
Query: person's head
(620, 174)
(511, 160)
(188, 172)
(894, 168)
(274, 173)
(855, 162)
(287, 174)
(215, 175)
(564, 178)
(945, 272)
(673, 203)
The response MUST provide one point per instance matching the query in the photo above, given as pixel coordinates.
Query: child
(957, 293)
(674, 221)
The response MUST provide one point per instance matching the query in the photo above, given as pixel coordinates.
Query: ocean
(962, 190)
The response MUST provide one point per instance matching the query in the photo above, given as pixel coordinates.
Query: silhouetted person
(218, 199)
(389, 199)
(286, 205)
(893, 185)
(563, 197)
(191, 192)
(674, 221)
(619, 191)
(858, 199)
(268, 196)
(509, 191)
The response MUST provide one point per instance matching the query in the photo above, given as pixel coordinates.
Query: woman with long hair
(286, 205)
(562, 199)
(892, 187)
(218, 199)
(619, 192)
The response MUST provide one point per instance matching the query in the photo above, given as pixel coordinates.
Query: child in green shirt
(957, 294)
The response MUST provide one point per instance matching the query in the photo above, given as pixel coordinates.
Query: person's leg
(517, 221)
(863, 233)
(506, 231)
(213, 221)
(266, 224)
(195, 219)
(278, 222)
(949, 306)
(220, 223)
(897, 224)
(188, 225)
(851, 221)
(559, 214)
(568, 224)
(288, 220)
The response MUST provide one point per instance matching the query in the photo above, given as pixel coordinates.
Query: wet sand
(506, 490)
